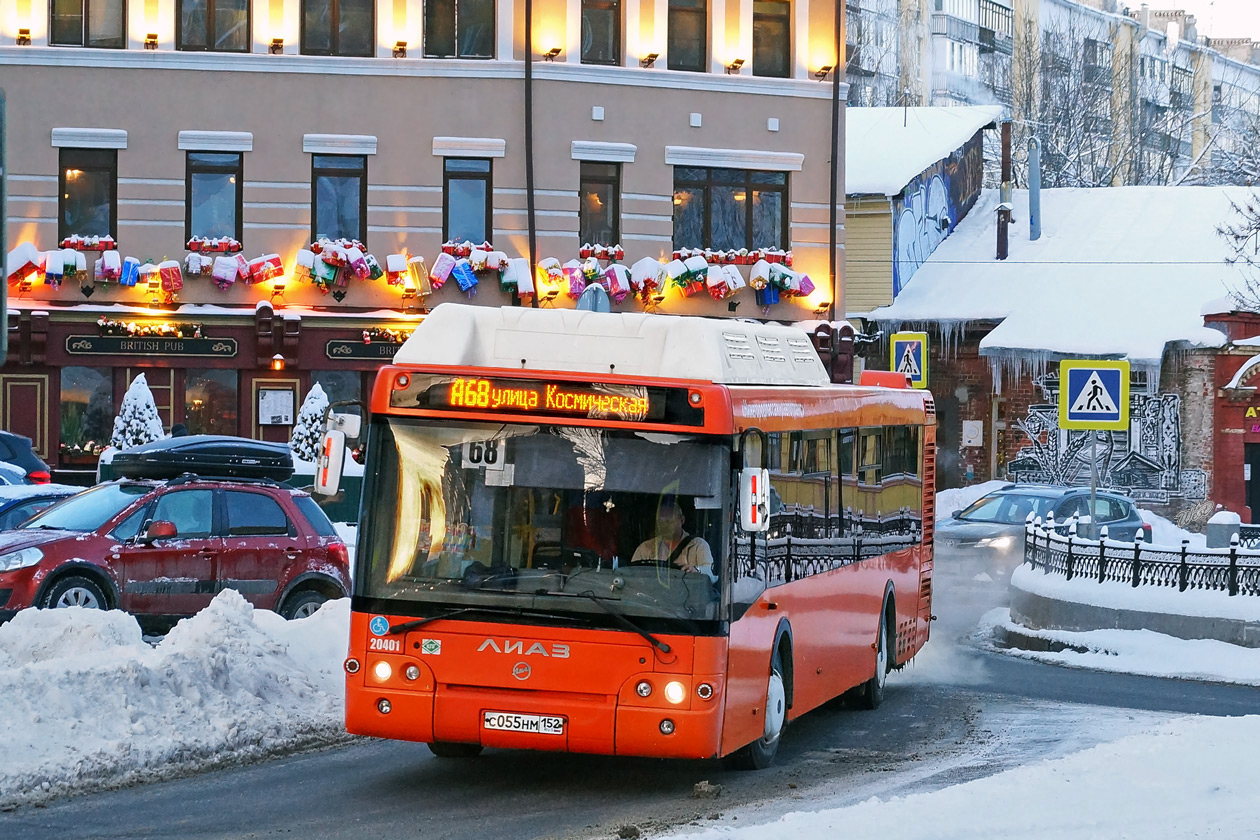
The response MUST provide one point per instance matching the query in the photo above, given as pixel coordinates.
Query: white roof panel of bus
(731, 352)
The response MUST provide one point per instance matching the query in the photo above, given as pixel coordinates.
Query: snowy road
(957, 714)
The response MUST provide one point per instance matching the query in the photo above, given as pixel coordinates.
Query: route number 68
(483, 453)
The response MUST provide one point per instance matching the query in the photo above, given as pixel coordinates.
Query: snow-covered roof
(628, 343)
(884, 148)
(22, 491)
(1118, 272)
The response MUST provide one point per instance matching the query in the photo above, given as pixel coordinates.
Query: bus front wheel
(447, 749)
(760, 753)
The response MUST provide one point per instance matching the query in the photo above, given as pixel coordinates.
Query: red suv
(165, 548)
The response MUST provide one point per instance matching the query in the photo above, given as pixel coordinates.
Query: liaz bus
(629, 534)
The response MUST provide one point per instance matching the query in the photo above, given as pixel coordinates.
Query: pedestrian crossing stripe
(1093, 395)
(909, 356)
(1094, 398)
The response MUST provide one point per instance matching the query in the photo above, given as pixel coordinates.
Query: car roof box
(217, 456)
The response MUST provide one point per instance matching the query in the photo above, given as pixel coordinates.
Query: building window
(87, 413)
(339, 385)
(89, 23)
(459, 28)
(599, 205)
(339, 197)
(338, 27)
(217, 25)
(212, 195)
(688, 41)
(88, 200)
(601, 31)
(210, 402)
(772, 38)
(729, 209)
(466, 208)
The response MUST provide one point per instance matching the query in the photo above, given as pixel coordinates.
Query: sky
(1218, 18)
(89, 704)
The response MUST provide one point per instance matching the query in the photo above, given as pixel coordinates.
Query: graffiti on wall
(1143, 462)
(931, 205)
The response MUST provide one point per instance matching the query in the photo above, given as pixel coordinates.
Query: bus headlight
(643, 689)
(675, 692)
(382, 671)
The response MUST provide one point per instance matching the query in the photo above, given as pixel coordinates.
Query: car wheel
(76, 591)
(303, 604)
(760, 753)
(871, 694)
(447, 749)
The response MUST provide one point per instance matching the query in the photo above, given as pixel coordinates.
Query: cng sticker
(433, 647)
(909, 356)
(379, 626)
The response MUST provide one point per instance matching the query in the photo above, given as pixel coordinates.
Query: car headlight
(997, 542)
(20, 559)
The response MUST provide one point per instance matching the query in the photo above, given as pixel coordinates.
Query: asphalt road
(955, 714)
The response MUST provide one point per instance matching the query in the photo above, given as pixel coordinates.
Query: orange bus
(629, 534)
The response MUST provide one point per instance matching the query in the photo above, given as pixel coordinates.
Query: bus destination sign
(626, 403)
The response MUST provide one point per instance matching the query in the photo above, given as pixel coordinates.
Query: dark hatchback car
(18, 451)
(165, 548)
(19, 503)
(995, 523)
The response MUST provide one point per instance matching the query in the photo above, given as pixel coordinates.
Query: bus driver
(672, 545)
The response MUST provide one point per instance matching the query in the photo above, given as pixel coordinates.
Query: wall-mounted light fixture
(821, 72)
(24, 37)
(151, 41)
(732, 69)
(277, 362)
(277, 287)
(400, 49)
(277, 46)
(822, 307)
(649, 59)
(550, 55)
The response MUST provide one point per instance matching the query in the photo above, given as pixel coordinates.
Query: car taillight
(338, 554)
(1147, 530)
(39, 477)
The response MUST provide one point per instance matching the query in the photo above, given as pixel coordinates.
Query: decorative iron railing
(1060, 550)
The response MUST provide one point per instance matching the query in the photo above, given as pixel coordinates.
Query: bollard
(1102, 553)
(1233, 565)
(1183, 572)
(1138, 539)
(1071, 560)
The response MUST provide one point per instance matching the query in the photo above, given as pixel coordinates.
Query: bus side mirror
(754, 499)
(332, 455)
(349, 424)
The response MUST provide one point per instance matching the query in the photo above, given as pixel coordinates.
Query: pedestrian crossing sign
(909, 356)
(1093, 395)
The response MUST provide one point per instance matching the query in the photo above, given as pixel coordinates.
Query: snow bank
(948, 501)
(88, 705)
(1191, 777)
(1165, 532)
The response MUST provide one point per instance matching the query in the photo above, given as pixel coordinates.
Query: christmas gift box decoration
(271, 268)
(519, 270)
(304, 264)
(807, 285)
(149, 274)
(715, 282)
(395, 268)
(172, 277)
(357, 263)
(224, 272)
(477, 259)
(419, 273)
(574, 282)
(112, 262)
(55, 267)
(23, 261)
(617, 282)
(465, 276)
(496, 261)
(780, 277)
(333, 254)
(697, 268)
(80, 265)
(192, 263)
(130, 274)
(375, 272)
(592, 271)
(759, 278)
(441, 269)
(734, 280)
(676, 271)
(586, 250)
(645, 275)
(242, 267)
(768, 296)
(70, 262)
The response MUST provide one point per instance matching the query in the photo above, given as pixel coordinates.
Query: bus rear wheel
(871, 692)
(447, 749)
(760, 753)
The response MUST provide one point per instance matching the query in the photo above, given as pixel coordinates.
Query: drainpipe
(1034, 189)
(1004, 209)
(837, 293)
(529, 138)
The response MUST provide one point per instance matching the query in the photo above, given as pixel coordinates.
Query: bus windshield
(544, 518)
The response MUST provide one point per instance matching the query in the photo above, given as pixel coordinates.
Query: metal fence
(1235, 569)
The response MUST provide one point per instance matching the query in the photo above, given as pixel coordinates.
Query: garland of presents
(386, 334)
(105, 326)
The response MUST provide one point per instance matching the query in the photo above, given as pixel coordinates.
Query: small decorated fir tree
(308, 433)
(137, 421)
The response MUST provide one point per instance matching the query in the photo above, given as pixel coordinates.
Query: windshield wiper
(621, 617)
(517, 611)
